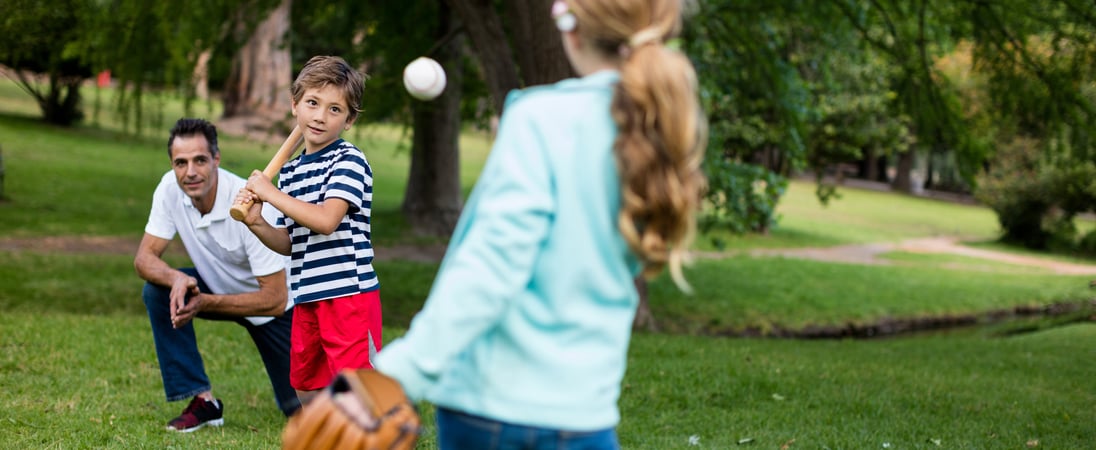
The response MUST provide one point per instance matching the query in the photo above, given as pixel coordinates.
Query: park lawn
(89, 380)
(764, 294)
(78, 369)
(859, 216)
(769, 294)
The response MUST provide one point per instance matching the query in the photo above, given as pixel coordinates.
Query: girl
(523, 340)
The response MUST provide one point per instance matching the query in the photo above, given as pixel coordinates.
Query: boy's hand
(260, 186)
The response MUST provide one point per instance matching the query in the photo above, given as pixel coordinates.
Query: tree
(36, 40)
(257, 90)
(432, 200)
(533, 35)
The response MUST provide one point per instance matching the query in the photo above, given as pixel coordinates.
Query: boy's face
(322, 114)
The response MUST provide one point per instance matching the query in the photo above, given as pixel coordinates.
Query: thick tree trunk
(903, 182)
(1, 174)
(484, 29)
(644, 319)
(200, 75)
(542, 59)
(432, 201)
(257, 89)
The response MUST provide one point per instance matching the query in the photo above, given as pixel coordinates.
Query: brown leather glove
(360, 409)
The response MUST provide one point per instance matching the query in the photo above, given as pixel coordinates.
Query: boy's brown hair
(321, 71)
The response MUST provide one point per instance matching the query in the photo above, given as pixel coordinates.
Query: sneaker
(199, 413)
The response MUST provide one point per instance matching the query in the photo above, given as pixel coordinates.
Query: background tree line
(990, 98)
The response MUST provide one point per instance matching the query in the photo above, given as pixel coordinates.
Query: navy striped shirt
(339, 264)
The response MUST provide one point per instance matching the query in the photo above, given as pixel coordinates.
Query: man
(234, 276)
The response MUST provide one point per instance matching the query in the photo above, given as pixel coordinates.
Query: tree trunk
(258, 84)
(542, 59)
(432, 201)
(903, 182)
(1, 174)
(200, 76)
(484, 29)
(644, 319)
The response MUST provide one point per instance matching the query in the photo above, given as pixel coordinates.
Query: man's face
(195, 168)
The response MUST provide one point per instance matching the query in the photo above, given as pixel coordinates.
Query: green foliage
(37, 41)
(742, 197)
(1037, 199)
(755, 104)
(156, 45)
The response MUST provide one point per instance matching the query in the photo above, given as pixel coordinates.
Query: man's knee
(155, 296)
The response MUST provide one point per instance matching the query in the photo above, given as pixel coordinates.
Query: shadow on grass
(1000, 322)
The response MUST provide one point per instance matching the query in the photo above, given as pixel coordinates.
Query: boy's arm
(322, 218)
(274, 238)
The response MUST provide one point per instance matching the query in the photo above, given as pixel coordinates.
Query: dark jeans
(181, 365)
(457, 431)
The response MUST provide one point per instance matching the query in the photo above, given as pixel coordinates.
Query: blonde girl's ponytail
(661, 128)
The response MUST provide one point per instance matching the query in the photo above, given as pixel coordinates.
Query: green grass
(90, 381)
(959, 262)
(965, 391)
(739, 292)
(862, 216)
(78, 370)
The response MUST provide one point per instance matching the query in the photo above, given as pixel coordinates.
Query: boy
(325, 196)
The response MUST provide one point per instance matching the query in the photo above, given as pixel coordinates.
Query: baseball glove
(360, 409)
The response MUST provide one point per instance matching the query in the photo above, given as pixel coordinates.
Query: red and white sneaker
(199, 413)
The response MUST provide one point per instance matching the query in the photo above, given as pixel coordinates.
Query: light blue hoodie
(530, 315)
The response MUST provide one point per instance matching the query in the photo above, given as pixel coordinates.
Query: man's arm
(151, 267)
(269, 300)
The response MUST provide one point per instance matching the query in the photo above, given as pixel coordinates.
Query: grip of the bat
(290, 145)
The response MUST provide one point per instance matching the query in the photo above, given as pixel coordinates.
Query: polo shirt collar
(221, 205)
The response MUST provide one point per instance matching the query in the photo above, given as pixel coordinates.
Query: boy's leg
(272, 341)
(309, 370)
(181, 367)
(350, 329)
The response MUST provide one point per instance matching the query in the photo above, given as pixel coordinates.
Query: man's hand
(189, 311)
(183, 286)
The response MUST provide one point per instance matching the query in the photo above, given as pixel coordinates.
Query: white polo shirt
(224, 252)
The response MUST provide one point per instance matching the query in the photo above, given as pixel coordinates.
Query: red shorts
(334, 334)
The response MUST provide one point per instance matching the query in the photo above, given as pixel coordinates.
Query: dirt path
(128, 246)
(870, 254)
(852, 254)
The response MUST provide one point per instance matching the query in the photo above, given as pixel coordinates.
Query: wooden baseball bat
(289, 147)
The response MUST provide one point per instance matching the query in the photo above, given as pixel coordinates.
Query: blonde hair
(662, 131)
(321, 71)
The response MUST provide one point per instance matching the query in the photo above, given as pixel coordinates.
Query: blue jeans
(181, 365)
(457, 431)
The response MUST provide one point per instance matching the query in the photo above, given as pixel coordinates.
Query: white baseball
(424, 78)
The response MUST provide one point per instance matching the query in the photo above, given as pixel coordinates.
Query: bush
(1035, 199)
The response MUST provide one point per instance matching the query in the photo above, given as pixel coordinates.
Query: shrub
(1035, 199)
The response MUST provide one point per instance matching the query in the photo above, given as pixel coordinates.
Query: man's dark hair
(189, 127)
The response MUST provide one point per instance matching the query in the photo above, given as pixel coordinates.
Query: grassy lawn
(89, 380)
(78, 368)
